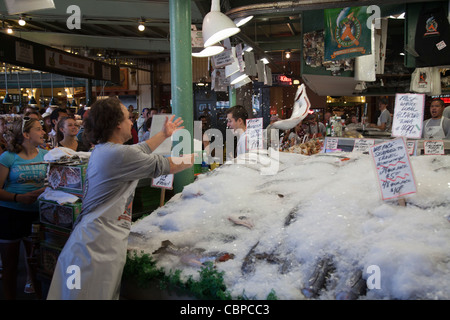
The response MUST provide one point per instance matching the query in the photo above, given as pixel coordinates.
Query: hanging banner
(346, 33)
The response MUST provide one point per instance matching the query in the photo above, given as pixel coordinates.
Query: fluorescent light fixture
(241, 21)
(208, 51)
(217, 26)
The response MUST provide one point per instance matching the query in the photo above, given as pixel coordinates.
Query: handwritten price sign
(408, 115)
(393, 168)
(164, 181)
(363, 145)
(433, 147)
(255, 133)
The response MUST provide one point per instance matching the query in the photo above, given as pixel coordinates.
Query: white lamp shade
(217, 26)
(242, 82)
(208, 51)
(238, 77)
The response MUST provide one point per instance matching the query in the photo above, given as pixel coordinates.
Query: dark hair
(55, 115)
(15, 137)
(103, 117)
(441, 102)
(238, 112)
(148, 124)
(33, 112)
(59, 134)
(384, 101)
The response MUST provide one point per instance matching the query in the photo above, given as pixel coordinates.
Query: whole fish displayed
(317, 229)
(299, 112)
(242, 220)
(192, 256)
(318, 280)
(354, 287)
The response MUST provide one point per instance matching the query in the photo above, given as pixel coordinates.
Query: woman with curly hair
(97, 247)
(22, 182)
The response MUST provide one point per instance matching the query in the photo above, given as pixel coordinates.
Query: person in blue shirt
(22, 176)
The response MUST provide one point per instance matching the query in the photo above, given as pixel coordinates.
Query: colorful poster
(346, 33)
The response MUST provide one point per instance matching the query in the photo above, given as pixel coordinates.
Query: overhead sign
(36, 56)
(346, 33)
(67, 62)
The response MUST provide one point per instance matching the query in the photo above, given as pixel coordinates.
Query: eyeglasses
(26, 119)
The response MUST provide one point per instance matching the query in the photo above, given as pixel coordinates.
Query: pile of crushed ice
(325, 206)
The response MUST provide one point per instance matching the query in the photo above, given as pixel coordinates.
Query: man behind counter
(437, 127)
(384, 120)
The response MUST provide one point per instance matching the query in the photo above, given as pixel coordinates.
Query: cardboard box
(67, 177)
(61, 216)
(48, 258)
(55, 236)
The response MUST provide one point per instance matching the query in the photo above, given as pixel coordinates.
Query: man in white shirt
(438, 126)
(237, 121)
(384, 120)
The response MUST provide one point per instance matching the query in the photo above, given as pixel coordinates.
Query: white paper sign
(240, 57)
(223, 59)
(164, 181)
(158, 121)
(393, 168)
(411, 145)
(332, 144)
(255, 133)
(433, 147)
(408, 115)
(363, 145)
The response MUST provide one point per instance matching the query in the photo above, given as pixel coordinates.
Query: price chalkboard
(393, 168)
(408, 115)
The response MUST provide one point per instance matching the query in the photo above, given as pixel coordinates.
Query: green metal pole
(181, 77)
(232, 96)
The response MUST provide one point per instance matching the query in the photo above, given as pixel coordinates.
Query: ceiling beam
(87, 41)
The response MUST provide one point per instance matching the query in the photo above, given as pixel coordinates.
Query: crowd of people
(25, 138)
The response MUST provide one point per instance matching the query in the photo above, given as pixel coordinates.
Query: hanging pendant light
(20, 91)
(74, 104)
(217, 26)
(42, 98)
(32, 101)
(7, 99)
(53, 103)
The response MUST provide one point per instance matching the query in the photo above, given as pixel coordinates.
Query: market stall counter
(315, 228)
